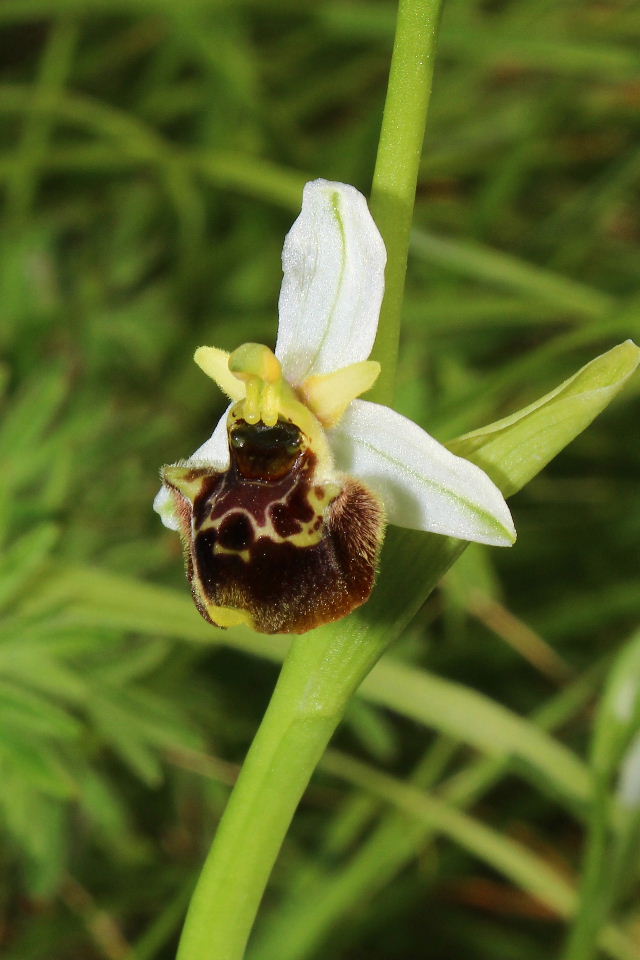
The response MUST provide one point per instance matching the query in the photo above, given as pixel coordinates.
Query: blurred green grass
(151, 160)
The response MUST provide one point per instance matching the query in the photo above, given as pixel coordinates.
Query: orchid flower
(282, 511)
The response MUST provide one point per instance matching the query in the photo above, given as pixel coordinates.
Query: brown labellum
(267, 541)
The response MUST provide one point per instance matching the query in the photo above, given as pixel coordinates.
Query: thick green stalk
(316, 682)
(397, 165)
(323, 668)
(315, 906)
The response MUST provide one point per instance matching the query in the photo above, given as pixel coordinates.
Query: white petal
(333, 262)
(214, 452)
(163, 505)
(423, 485)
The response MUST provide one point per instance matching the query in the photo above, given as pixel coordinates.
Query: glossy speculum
(264, 453)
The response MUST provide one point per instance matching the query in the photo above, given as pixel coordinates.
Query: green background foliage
(152, 158)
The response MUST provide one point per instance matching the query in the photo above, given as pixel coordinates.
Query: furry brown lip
(266, 538)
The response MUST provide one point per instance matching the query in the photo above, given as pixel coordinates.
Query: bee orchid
(282, 511)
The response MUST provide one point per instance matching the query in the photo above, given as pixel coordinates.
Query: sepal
(333, 263)
(422, 484)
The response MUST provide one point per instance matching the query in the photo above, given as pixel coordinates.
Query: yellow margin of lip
(229, 616)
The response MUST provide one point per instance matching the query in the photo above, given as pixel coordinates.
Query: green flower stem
(321, 672)
(397, 164)
(316, 682)
(324, 668)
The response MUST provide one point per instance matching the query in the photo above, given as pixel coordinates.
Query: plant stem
(397, 164)
(321, 672)
(323, 668)
(307, 704)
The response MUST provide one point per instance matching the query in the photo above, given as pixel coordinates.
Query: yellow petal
(215, 363)
(330, 395)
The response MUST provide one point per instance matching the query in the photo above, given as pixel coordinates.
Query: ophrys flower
(282, 511)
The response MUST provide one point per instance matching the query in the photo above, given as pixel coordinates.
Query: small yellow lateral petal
(330, 395)
(215, 363)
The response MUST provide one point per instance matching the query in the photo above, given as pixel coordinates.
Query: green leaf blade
(515, 449)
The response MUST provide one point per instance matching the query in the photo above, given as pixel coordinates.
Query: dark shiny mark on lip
(298, 504)
(235, 532)
(206, 570)
(283, 522)
(264, 453)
